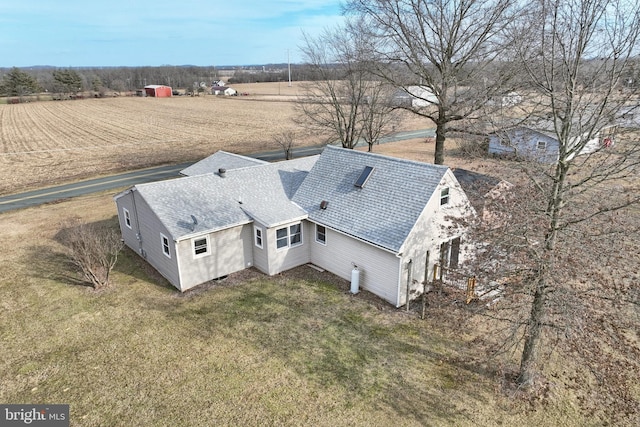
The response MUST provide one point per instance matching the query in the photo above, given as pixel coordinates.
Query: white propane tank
(355, 280)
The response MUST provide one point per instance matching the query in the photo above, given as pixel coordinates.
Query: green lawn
(295, 349)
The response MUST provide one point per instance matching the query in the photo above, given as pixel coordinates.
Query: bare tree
(562, 253)
(345, 101)
(93, 249)
(286, 139)
(446, 54)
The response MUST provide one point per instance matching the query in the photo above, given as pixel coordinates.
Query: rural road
(52, 194)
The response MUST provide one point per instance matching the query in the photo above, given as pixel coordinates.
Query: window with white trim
(289, 236)
(450, 253)
(201, 246)
(258, 236)
(541, 145)
(444, 196)
(321, 234)
(127, 217)
(166, 249)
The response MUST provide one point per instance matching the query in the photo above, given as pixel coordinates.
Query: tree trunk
(532, 336)
(438, 157)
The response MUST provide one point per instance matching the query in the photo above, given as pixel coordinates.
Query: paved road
(51, 194)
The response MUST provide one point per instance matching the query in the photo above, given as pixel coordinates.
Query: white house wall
(378, 268)
(435, 225)
(230, 251)
(150, 229)
(283, 259)
(260, 255)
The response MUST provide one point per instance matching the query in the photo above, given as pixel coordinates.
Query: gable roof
(220, 159)
(260, 193)
(384, 210)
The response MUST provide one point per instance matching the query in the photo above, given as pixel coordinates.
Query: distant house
(414, 97)
(343, 210)
(158, 91)
(543, 146)
(223, 90)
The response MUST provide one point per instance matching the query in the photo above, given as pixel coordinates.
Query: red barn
(159, 91)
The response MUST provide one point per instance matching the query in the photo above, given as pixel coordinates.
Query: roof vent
(364, 177)
(222, 172)
(324, 204)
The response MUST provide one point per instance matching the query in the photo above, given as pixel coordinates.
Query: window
(444, 196)
(321, 234)
(541, 145)
(258, 236)
(289, 236)
(200, 246)
(282, 238)
(166, 249)
(295, 234)
(127, 217)
(450, 253)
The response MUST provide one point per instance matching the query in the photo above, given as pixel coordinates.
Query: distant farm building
(158, 91)
(223, 90)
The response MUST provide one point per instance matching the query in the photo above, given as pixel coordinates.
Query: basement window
(364, 177)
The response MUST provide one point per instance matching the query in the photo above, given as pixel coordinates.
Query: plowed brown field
(44, 143)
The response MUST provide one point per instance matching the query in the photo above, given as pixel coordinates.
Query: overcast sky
(70, 33)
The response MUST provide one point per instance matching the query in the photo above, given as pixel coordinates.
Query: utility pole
(289, 64)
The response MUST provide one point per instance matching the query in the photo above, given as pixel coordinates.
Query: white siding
(145, 238)
(378, 268)
(434, 226)
(285, 258)
(260, 255)
(230, 251)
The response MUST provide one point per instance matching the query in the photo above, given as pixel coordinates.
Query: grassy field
(295, 349)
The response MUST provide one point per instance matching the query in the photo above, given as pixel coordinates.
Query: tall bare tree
(452, 48)
(345, 101)
(562, 250)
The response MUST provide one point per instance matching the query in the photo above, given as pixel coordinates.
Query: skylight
(364, 176)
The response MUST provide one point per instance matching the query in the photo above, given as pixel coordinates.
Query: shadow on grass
(53, 265)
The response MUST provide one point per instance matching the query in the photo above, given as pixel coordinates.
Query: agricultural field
(43, 143)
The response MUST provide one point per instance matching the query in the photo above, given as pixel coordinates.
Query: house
(414, 97)
(390, 218)
(543, 146)
(223, 90)
(158, 91)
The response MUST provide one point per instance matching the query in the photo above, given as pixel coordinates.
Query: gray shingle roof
(220, 159)
(265, 192)
(384, 211)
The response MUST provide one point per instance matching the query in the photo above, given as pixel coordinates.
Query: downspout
(138, 234)
(399, 282)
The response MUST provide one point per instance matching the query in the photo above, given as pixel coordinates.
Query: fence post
(471, 288)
